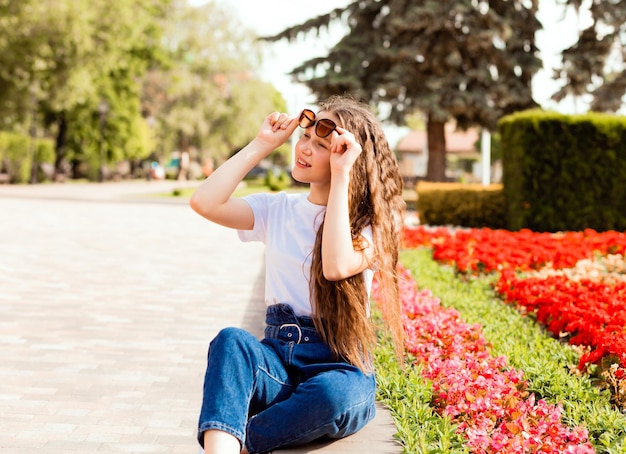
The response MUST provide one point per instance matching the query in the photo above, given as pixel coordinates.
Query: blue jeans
(287, 389)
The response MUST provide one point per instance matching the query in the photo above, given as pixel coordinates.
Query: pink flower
(488, 400)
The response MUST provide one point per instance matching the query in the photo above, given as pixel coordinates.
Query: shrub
(277, 180)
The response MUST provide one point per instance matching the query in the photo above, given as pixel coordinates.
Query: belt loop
(292, 325)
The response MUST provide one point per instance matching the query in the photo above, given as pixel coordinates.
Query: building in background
(462, 151)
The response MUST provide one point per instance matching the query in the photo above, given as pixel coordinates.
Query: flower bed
(591, 314)
(487, 250)
(487, 400)
(573, 282)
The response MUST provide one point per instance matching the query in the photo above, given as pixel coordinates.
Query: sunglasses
(323, 127)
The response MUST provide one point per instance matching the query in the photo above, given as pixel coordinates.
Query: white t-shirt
(287, 225)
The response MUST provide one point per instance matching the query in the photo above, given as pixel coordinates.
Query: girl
(311, 376)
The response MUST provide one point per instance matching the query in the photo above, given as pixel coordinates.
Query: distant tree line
(130, 80)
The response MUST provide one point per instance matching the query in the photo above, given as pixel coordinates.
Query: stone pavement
(109, 297)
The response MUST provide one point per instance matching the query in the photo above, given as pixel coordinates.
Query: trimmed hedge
(467, 205)
(564, 172)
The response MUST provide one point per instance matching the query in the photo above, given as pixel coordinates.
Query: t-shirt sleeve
(369, 237)
(259, 203)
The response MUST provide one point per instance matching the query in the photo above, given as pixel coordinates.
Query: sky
(268, 17)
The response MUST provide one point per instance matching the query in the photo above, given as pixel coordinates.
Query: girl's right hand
(276, 129)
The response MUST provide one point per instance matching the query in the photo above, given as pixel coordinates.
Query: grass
(250, 187)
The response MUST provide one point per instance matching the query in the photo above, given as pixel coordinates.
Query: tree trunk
(436, 170)
(59, 147)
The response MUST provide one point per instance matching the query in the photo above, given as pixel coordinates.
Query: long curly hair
(341, 308)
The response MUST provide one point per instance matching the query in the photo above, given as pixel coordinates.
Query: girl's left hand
(344, 150)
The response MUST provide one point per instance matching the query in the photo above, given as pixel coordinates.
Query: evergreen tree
(594, 64)
(467, 60)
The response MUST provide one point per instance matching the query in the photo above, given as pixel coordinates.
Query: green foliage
(547, 364)
(564, 172)
(14, 151)
(16, 155)
(591, 64)
(277, 180)
(60, 59)
(173, 77)
(467, 205)
(44, 155)
(44, 149)
(208, 97)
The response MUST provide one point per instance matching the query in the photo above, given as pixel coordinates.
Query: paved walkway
(108, 299)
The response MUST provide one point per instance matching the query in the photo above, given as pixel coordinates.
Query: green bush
(277, 180)
(564, 172)
(16, 155)
(45, 154)
(458, 204)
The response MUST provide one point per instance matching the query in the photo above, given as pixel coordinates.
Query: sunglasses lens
(307, 118)
(324, 127)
